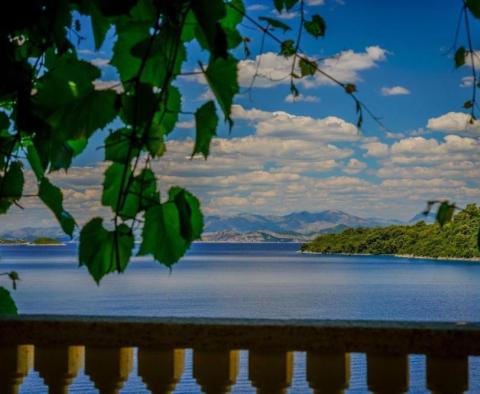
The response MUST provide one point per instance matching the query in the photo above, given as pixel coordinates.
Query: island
(12, 242)
(45, 241)
(457, 239)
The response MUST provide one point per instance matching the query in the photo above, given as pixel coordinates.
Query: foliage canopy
(51, 104)
(458, 238)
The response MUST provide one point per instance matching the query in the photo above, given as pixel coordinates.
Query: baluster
(270, 372)
(328, 373)
(447, 375)
(58, 366)
(215, 370)
(387, 373)
(108, 368)
(15, 362)
(160, 369)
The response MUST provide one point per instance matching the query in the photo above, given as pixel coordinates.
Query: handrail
(375, 337)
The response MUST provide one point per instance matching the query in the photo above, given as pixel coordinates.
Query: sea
(265, 280)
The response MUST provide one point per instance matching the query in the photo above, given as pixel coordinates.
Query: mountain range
(293, 227)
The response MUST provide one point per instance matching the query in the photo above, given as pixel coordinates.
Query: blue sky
(287, 155)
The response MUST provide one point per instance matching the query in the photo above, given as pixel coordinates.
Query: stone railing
(58, 347)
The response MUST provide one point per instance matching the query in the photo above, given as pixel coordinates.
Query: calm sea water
(251, 280)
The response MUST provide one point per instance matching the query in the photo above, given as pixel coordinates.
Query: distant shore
(405, 256)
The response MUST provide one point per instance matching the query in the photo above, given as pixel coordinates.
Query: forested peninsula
(456, 239)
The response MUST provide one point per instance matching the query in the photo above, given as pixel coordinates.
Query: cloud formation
(395, 91)
(454, 122)
(271, 69)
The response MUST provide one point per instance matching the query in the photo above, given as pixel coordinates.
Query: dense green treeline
(457, 238)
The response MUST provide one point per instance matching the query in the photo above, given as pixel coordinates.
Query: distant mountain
(32, 233)
(267, 236)
(254, 236)
(294, 227)
(304, 223)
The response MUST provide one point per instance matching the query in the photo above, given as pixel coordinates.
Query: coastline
(405, 256)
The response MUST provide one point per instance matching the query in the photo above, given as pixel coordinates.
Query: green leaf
(210, 33)
(445, 212)
(460, 57)
(7, 305)
(275, 23)
(158, 54)
(161, 235)
(206, 121)
(155, 143)
(229, 23)
(307, 67)
(118, 145)
(115, 175)
(474, 7)
(103, 251)
(149, 196)
(129, 34)
(11, 186)
(191, 218)
(81, 117)
(279, 4)
(100, 25)
(4, 121)
(287, 48)
(221, 76)
(290, 3)
(115, 8)
(138, 107)
(52, 197)
(167, 116)
(34, 160)
(316, 26)
(68, 80)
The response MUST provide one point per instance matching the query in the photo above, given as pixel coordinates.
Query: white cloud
(273, 69)
(100, 62)
(284, 125)
(108, 85)
(395, 91)
(285, 14)
(454, 122)
(422, 150)
(308, 99)
(466, 82)
(355, 166)
(315, 2)
(257, 7)
(185, 125)
(375, 149)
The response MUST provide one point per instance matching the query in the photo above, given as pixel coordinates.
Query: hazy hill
(298, 222)
(297, 227)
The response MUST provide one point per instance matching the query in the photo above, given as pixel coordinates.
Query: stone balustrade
(106, 349)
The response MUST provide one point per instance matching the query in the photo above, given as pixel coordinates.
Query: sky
(288, 154)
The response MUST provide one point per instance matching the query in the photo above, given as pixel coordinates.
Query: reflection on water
(267, 281)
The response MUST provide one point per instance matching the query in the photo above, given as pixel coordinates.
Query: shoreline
(405, 256)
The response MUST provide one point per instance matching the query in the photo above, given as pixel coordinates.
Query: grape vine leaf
(221, 75)
(7, 305)
(103, 251)
(52, 197)
(206, 121)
